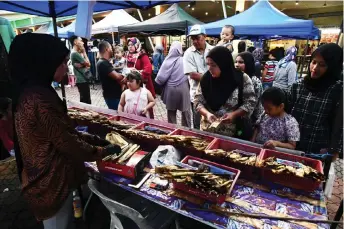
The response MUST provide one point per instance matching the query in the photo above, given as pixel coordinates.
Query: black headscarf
(333, 56)
(33, 60)
(249, 63)
(216, 91)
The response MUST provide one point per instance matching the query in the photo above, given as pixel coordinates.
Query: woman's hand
(271, 144)
(228, 117)
(211, 117)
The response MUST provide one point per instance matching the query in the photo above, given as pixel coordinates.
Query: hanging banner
(83, 27)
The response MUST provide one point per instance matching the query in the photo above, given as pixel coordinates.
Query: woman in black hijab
(245, 62)
(217, 97)
(315, 99)
(49, 152)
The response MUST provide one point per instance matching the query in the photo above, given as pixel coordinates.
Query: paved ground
(160, 114)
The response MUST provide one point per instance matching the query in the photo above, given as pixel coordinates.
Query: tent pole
(53, 13)
(340, 32)
(113, 38)
(149, 38)
(224, 9)
(304, 57)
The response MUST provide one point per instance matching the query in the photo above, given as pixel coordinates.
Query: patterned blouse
(283, 129)
(315, 112)
(53, 152)
(258, 90)
(228, 129)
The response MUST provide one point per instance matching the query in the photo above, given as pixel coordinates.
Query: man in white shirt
(195, 64)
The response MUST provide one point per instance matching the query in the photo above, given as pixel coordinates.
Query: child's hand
(144, 111)
(271, 144)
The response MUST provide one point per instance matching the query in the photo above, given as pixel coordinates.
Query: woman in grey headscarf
(175, 94)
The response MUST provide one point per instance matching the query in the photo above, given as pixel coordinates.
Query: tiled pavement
(160, 114)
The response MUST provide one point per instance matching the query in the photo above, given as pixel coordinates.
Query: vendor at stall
(217, 97)
(50, 153)
(314, 100)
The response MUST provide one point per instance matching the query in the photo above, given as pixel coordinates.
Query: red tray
(247, 171)
(288, 179)
(191, 151)
(164, 128)
(212, 198)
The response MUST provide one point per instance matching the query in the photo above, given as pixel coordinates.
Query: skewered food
(237, 156)
(95, 117)
(125, 154)
(156, 130)
(116, 139)
(200, 179)
(298, 169)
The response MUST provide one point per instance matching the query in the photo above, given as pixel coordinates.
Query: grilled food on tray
(200, 179)
(298, 169)
(125, 154)
(181, 140)
(95, 117)
(237, 156)
(116, 139)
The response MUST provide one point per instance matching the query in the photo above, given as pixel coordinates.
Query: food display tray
(211, 198)
(125, 120)
(247, 171)
(290, 180)
(142, 126)
(134, 166)
(189, 150)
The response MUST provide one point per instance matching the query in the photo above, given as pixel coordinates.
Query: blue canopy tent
(264, 21)
(66, 32)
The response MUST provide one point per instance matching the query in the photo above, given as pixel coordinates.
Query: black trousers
(85, 93)
(196, 117)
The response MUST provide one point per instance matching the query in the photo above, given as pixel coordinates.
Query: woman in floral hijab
(258, 55)
(140, 61)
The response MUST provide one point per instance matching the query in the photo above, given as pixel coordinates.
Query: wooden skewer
(238, 214)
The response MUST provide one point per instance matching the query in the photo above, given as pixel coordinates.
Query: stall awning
(263, 20)
(112, 21)
(173, 20)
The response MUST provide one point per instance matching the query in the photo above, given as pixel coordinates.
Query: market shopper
(50, 153)
(136, 99)
(258, 55)
(158, 58)
(314, 99)
(171, 77)
(140, 61)
(110, 79)
(195, 65)
(276, 128)
(6, 125)
(225, 95)
(268, 74)
(286, 70)
(81, 63)
(227, 37)
(245, 62)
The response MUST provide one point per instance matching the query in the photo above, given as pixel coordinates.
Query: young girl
(276, 128)
(227, 36)
(119, 60)
(136, 100)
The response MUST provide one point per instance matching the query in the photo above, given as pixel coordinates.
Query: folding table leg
(339, 215)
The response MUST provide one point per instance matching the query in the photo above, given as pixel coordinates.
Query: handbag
(243, 125)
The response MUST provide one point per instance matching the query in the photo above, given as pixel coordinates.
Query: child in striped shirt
(268, 75)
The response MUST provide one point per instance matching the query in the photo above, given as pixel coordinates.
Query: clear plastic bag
(165, 155)
(330, 182)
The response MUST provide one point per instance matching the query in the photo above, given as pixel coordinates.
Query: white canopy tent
(112, 21)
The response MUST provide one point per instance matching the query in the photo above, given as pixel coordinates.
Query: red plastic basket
(188, 150)
(288, 179)
(247, 171)
(212, 198)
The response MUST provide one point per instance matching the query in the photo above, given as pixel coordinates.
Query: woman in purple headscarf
(286, 70)
(175, 85)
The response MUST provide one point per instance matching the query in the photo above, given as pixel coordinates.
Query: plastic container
(82, 129)
(290, 180)
(212, 198)
(247, 171)
(189, 150)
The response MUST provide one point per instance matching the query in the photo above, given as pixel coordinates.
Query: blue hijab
(290, 56)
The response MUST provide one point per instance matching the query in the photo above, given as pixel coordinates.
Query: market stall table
(246, 197)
